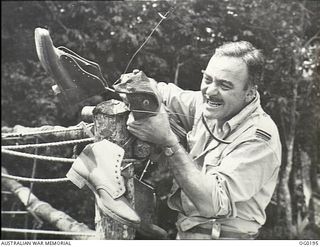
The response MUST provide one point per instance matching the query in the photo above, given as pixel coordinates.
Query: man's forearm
(197, 186)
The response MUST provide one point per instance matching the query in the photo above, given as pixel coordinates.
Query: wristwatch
(170, 150)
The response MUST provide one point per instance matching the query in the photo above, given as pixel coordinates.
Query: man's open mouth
(214, 102)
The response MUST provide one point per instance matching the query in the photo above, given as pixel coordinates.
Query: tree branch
(44, 210)
(314, 37)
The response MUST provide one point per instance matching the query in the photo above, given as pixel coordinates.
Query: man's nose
(212, 89)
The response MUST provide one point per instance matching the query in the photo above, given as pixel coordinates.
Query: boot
(98, 167)
(140, 93)
(77, 78)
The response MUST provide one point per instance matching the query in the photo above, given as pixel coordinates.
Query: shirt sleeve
(241, 174)
(179, 101)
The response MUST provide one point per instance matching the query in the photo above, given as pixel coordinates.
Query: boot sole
(49, 58)
(79, 181)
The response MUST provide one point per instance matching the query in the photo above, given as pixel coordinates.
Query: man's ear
(251, 93)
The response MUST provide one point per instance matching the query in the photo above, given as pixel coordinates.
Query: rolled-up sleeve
(221, 204)
(241, 174)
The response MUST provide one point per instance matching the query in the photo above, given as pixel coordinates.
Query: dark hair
(253, 58)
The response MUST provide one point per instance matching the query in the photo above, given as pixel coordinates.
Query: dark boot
(77, 78)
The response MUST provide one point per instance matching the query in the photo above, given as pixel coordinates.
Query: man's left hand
(155, 129)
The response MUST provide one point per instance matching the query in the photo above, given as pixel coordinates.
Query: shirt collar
(234, 122)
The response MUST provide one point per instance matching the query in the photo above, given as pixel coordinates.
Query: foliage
(110, 32)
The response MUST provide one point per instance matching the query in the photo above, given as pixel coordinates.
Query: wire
(22, 134)
(125, 167)
(40, 157)
(35, 180)
(49, 144)
(163, 17)
(14, 212)
(51, 158)
(145, 170)
(6, 192)
(33, 173)
(169, 113)
(17, 230)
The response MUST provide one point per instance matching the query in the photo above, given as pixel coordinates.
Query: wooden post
(109, 119)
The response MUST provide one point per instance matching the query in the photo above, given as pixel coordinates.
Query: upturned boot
(98, 167)
(77, 78)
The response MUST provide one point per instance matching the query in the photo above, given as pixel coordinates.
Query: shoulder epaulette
(262, 134)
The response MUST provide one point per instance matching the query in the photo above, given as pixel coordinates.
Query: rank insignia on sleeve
(262, 134)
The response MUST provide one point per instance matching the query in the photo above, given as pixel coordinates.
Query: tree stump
(109, 119)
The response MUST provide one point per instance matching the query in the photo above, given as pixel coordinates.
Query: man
(225, 177)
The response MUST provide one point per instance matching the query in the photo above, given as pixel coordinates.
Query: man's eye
(225, 86)
(207, 80)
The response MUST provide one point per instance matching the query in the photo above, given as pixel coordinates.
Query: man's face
(223, 88)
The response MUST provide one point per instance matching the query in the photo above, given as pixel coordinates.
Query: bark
(305, 170)
(284, 187)
(45, 211)
(110, 123)
(22, 132)
(315, 187)
(315, 154)
(285, 195)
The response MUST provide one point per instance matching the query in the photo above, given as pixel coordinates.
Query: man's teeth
(213, 103)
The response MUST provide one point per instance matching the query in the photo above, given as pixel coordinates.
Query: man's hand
(155, 129)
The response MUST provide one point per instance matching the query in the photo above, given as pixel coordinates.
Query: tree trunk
(285, 195)
(315, 159)
(284, 187)
(305, 171)
(176, 74)
(110, 123)
(315, 186)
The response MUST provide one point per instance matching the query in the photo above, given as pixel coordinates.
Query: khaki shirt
(243, 173)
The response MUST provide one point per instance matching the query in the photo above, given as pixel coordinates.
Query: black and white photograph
(160, 120)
